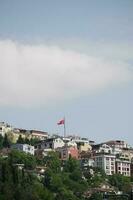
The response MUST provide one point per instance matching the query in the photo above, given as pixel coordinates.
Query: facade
(86, 159)
(85, 147)
(102, 148)
(105, 162)
(40, 135)
(66, 152)
(23, 132)
(51, 143)
(117, 144)
(116, 150)
(127, 153)
(123, 167)
(24, 147)
(5, 128)
(71, 143)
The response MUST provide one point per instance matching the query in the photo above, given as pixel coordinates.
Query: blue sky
(71, 58)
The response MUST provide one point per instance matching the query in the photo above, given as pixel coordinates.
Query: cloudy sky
(68, 58)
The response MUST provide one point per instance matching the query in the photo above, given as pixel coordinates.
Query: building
(101, 148)
(123, 167)
(86, 159)
(117, 144)
(50, 143)
(105, 162)
(82, 144)
(40, 135)
(71, 143)
(24, 147)
(20, 131)
(5, 128)
(84, 147)
(67, 152)
(41, 153)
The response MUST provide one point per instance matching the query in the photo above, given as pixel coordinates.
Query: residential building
(50, 143)
(105, 162)
(23, 132)
(41, 153)
(66, 152)
(71, 143)
(86, 159)
(116, 150)
(117, 143)
(102, 148)
(5, 128)
(24, 147)
(84, 147)
(123, 167)
(40, 135)
(82, 144)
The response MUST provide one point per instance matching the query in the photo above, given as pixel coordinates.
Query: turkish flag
(61, 122)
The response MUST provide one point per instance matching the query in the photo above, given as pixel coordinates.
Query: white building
(102, 148)
(117, 144)
(51, 143)
(105, 162)
(24, 147)
(71, 143)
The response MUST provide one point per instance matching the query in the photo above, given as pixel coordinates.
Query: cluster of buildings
(114, 157)
(14, 133)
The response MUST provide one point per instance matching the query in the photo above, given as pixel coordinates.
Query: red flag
(61, 122)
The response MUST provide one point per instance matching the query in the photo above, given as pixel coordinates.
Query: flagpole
(64, 127)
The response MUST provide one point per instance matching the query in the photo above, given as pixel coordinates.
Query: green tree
(33, 141)
(1, 141)
(18, 157)
(52, 162)
(96, 196)
(121, 182)
(71, 165)
(20, 140)
(6, 142)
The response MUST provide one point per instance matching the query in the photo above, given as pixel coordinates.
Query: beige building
(41, 135)
(5, 128)
(84, 147)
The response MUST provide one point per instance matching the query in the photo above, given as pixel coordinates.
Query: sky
(68, 58)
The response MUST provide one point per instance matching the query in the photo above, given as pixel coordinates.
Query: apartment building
(117, 144)
(66, 152)
(101, 148)
(50, 143)
(123, 167)
(24, 147)
(5, 128)
(40, 135)
(105, 162)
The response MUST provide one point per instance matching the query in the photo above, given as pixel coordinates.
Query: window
(112, 163)
(112, 167)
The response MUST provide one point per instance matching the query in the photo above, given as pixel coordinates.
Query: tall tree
(20, 140)
(6, 142)
(1, 141)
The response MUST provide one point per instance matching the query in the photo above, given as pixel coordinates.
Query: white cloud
(39, 74)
